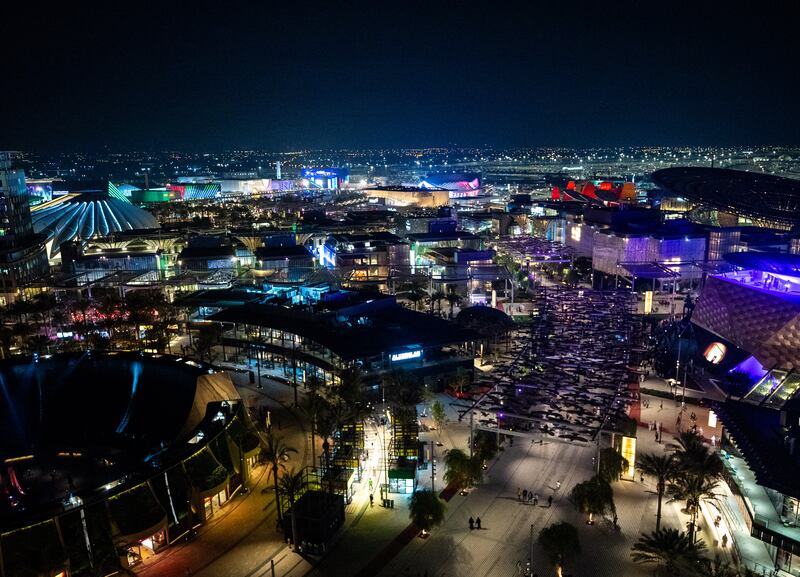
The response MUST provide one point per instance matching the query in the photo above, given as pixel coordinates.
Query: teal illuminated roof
(90, 215)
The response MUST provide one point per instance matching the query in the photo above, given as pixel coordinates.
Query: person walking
(524, 495)
(550, 501)
(471, 523)
(558, 485)
(519, 494)
(536, 499)
(478, 522)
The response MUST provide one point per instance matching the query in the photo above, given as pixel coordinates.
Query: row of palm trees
(418, 295)
(674, 552)
(138, 320)
(326, 408)
(690, 474)
(287, 482)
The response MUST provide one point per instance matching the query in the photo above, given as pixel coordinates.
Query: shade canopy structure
(566, 376)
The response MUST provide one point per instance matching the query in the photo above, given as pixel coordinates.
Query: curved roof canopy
(89, 215)
(755, 195)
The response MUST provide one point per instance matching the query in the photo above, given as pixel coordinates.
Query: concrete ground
(242, 540)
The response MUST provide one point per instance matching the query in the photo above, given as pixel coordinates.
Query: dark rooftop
(276, 252)
(432, 236)
(370, 334)
(207, 252)
(759, 196)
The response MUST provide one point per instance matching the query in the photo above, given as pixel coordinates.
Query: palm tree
(453, 299)
(276, 452)
(593, 497)
(662, 467)
(690, 448)
(327, 423)
(693, 488)
(311, 408)
(426, 510)
(416, 295)
(205, 341)
(290, 486)
(668, 549)
(559, 541)
(350, 390)
(436, 298)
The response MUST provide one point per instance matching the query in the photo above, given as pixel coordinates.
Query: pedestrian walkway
(243, 533)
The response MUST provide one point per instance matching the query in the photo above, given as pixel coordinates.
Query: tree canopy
(559, 541)
(426, 509)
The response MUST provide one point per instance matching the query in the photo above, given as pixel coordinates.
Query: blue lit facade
(326, 178)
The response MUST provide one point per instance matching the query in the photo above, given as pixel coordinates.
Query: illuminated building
(204, 253)
(459, 185)
(747, 321)
(326, 178)
(283, 263)
(409, 196)
(368, 258)
(22, 252)
(756, 308)
(598, 192)
(196, 191)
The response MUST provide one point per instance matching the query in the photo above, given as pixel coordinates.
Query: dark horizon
(194, 77)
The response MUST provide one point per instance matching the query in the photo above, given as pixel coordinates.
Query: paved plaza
(243, 540)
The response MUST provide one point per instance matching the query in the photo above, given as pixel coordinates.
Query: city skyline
(376, 289)
(285, 78)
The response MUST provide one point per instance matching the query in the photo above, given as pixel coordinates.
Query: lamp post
(678, 363)
(530, 563)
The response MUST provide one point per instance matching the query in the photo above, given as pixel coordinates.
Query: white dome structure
(86, 216)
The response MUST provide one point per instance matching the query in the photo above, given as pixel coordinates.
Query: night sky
(294, 75)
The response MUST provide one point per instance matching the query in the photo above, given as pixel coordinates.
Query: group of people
(656, 426)
(528, 496)
(474, 523)
(646, 404)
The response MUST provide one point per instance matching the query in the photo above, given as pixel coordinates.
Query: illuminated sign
(405, 356)
(628, 450)
(648, 302)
